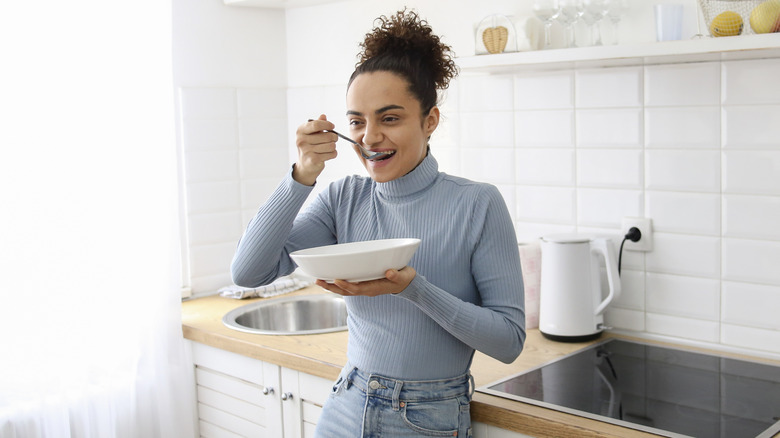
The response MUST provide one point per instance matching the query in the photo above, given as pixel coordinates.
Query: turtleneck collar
(415, 181)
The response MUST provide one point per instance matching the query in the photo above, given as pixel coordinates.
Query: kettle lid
(567, 238)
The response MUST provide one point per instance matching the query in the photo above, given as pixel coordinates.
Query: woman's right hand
(315, 147)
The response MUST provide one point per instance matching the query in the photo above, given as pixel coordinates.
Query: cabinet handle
(287, 396)
(268, 390)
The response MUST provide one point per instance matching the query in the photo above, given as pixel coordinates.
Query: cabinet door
(230, 392)
(302, 410)
(314, 391)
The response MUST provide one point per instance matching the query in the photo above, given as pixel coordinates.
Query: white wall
(230, 78)
(692, 146)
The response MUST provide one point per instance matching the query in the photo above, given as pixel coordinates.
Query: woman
(412, 335)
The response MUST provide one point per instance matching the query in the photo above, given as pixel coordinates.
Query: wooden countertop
(324, 355)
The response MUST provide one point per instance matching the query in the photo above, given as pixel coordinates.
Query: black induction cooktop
(666, 391)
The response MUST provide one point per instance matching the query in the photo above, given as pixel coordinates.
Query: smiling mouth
(389, 155)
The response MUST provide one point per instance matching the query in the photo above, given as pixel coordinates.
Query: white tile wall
(751, 127)
(610, 127)
(235, 151)
(693, 146)
(683, 170)
(632, 296)
(489, 129)
(682, 127)
(685, 254)
(622, 87)
(607, 208)
(751, 217)
(546, 204)
(685, 296)
(738, 304)
(547, 90)
(682, 84)
(610, 168)
(752, 172)
(549, 166)
(751, 82)
(684, 212)
(554, 128)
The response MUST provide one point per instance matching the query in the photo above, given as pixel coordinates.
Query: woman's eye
(390, 119)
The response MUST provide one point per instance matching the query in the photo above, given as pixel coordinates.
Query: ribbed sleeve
(259, 257)
(468, 293)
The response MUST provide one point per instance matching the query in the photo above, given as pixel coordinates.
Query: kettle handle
(602, 246)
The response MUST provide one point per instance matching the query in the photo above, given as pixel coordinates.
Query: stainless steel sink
(298, 315)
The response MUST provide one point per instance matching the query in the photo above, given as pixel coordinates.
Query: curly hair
(405, 45)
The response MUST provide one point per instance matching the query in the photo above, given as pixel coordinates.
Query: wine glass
(570, 13)
(593, 12)
(615, 11)
(547, 11)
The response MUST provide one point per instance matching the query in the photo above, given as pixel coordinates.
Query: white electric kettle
(571, 306)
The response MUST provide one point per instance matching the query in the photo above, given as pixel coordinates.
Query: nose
(372, 134)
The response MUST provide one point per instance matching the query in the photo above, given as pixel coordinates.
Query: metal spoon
(368, 155)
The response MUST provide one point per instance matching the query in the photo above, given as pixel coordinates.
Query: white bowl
(356, 261)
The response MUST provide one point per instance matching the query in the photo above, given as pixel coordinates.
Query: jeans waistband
(410, 390)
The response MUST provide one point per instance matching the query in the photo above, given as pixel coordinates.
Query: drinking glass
(547, 11)
(570, 13)
(615, 11)
(593, 12)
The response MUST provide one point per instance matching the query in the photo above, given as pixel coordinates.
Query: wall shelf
(275, 4)
(668, 52)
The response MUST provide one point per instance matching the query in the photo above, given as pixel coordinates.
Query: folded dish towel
(281, 285)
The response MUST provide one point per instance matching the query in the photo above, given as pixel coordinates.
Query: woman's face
(384, 116)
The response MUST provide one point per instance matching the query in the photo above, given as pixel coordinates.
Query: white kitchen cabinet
(482, 430)
(243, 397)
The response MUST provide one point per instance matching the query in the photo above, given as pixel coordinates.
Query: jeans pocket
(437, 418)
(336, 390)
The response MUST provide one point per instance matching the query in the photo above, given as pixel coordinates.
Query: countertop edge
(257, 351)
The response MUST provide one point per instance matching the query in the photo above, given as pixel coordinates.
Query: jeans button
(373, 384)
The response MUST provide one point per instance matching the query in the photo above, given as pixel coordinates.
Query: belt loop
(396, 394)
(349, 376)
(472, 386)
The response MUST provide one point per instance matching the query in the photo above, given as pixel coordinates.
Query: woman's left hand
(395, 281)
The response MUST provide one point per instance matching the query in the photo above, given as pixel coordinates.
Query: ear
(431, 121)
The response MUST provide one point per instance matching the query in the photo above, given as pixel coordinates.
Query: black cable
(620, 254)
(633, 235)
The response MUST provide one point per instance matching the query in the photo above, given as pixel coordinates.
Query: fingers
(395, 281)
(331, 287)
(315, 147)
(313, 134)
(320, 124)
(401, 277)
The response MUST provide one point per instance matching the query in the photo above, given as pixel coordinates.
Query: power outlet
(645, 226)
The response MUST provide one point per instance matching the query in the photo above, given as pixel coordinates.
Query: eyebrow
(379, 111)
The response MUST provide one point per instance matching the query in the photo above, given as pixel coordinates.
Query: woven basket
(713, 8)
(495, 34)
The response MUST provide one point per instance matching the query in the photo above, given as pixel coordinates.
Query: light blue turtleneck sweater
(468, 292)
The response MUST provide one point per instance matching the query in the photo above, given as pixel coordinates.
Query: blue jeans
(364, 405)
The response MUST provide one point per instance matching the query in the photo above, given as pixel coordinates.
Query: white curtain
(90, 323)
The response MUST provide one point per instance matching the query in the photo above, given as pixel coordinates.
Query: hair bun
(406, 36)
